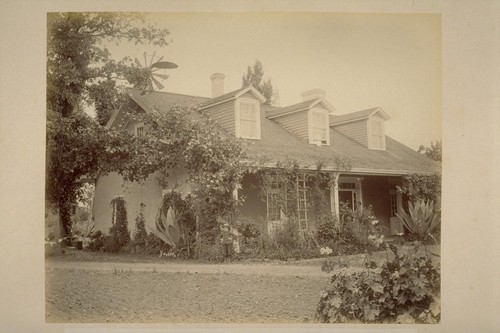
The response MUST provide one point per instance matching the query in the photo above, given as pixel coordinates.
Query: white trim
(237, 127)
(138, 125)
(257, 94)
(310, 128)
(325, 103)
(370, 136)
(377, 110)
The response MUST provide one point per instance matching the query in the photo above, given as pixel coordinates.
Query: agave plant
(422, 217)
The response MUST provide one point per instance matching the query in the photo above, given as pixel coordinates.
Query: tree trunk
(65, 218)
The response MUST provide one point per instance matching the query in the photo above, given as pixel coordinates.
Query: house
(308, 132)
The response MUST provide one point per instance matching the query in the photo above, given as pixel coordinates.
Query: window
(350, 192)
(139, 130)
(377, 135)
(393, 200)
(319, 127)
(248, 119)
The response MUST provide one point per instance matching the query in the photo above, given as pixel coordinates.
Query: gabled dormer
(366, 127)
(308, 119)
(238, 112)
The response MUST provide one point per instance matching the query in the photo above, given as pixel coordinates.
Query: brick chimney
(217, 84)
(313, 94)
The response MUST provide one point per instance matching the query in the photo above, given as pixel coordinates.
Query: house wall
(248, 94)
(376, 193)
(224, 114)
(356, 130)
(253, 207)
(149, 193)
(296, 123)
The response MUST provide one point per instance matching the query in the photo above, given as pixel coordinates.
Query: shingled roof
(354, 116)
(277, 144)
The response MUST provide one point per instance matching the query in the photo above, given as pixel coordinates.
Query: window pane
(248, 128)
(319, 134)
(247, 112)
(318, 119)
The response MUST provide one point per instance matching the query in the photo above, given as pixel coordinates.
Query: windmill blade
(152, 58)
(138, 63)
(164, 64)
(158, 84)
(161, 76)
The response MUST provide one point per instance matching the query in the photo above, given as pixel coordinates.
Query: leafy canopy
(254, 77)
(80, 68)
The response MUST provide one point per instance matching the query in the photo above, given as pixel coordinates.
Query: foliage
(80, 67)
(119, 235)
(254, 77)
(404, 289)
(154, 245)
(421, 219)
(80, 71)
(288, 242)
(140, 234)
(350, 234)
(96, 241)
(425, 187)
(176, 222)
(434, 152)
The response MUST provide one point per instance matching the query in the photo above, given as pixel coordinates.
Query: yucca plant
(422, 218)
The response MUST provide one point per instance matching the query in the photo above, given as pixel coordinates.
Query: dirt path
(173, 267)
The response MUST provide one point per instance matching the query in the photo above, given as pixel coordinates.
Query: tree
(81, 70)
(434, 152)
(254, 77)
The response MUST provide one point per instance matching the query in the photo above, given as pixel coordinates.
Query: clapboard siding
(356, 130)
(223, 114)
(296, 123)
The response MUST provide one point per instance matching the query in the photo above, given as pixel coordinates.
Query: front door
(395, 203)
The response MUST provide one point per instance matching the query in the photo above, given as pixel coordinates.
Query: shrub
(119, 235)
(404, 289)
(140, 234)
(212, 252)
(349, 235)
(96, 241)
(154, 245)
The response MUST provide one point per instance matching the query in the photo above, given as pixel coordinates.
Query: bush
(350, 234)
(212, 252)
(119, 235)
(96, 241)
(140, 234)
(154, 245)
(404, 289)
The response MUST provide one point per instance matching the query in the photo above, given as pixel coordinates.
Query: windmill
(152, 72)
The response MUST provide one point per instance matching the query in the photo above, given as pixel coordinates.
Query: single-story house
(306, 132)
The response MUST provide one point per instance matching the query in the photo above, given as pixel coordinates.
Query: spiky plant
(422, 218)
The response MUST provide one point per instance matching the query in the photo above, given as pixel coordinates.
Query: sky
(361, 60)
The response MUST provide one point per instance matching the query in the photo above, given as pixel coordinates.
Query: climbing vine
(184, 138)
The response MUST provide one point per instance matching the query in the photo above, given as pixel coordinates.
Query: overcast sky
(360, 60)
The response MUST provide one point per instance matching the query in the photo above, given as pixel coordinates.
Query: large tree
(81, 70)
(254, 77)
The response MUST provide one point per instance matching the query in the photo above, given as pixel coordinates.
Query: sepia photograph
(247, 166)
(243, 168)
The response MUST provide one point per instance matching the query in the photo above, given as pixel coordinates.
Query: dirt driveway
(181, 292)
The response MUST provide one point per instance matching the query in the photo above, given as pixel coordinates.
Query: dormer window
(139, 130)
(248, 119)
(319, 133)
(377, 134)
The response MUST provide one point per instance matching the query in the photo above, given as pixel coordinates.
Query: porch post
(334, 195)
